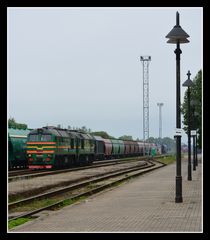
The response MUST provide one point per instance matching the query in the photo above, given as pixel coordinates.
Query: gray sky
(80, 66)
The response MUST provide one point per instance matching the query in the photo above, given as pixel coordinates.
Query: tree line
(196, 96)
(13, 124)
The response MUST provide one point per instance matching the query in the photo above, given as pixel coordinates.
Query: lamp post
(160, 120)
(178, 36)
(188, 83)
(196, 149)
(194, 134)
(196, 142)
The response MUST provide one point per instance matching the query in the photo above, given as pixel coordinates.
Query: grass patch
(34, 205)
(68, 202)
(167, 160)
(17, 222)
(91, 186)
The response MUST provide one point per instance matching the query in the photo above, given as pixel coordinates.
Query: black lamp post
(195, 115)
(194, 134)
(188, 83)
(196, 149)
(177, 36)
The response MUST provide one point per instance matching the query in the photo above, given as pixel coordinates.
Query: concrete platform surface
(144, 204)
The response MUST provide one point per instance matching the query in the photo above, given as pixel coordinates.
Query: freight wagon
(17, 148)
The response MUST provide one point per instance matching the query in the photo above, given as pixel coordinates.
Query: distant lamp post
(177, 36)
(196, 149)
(195, 143)
(160, 120)
(193, 103)
(188, 83)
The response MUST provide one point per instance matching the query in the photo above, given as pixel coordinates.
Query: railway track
(18, 172)
(21, 174)
(81, 189)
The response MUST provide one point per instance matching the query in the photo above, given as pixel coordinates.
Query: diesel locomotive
(52, 147)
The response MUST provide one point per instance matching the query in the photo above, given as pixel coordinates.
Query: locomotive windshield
(46, 137)
(33, 137)
(40, 137)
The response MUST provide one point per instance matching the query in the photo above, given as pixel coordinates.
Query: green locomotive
(17, 147)
(52, 147)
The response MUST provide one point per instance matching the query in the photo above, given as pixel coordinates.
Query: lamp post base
(189, 177)
(178, 198)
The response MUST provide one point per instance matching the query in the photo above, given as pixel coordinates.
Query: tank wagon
(17, 148)
(52, 147)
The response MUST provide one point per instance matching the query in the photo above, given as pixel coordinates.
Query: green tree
(102, 134)
(151, 140)
(13, 124)
(83, 129)
(170, 143)
(196, 95)
(126, 137)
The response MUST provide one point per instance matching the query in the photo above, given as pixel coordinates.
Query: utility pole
(145, 60)
(160, 119)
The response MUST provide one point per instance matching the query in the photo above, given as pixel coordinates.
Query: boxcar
(17, 147)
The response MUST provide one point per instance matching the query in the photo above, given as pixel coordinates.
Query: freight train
(17, 148)
(52, 147)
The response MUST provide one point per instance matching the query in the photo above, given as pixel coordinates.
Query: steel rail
(96, 165)
(77, 185)
(139, 171)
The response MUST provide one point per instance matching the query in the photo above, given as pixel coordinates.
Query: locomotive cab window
(46, 138)
(33, 137)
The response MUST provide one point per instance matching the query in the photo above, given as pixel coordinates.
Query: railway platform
(144, 204)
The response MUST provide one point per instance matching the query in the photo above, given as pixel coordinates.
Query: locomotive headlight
(29, 155)
(49, 155)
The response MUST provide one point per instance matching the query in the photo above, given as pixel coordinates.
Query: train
(17, 148)
(52, 147)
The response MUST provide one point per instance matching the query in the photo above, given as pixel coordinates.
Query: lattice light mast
(145, 60)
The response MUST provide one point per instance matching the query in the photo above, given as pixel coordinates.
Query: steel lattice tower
(145, 60)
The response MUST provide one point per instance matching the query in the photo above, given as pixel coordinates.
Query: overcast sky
(81, 67)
